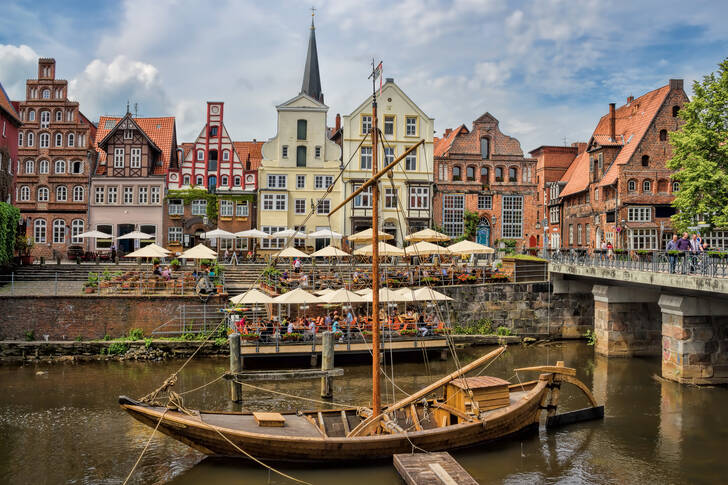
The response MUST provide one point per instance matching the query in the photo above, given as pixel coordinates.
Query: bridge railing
(705, 263)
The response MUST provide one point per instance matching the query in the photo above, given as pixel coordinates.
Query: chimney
(255, 141)
(630, 99)
(338, 121)
(676, 84)
(447, 132)
(580, 147)
(612, 123)
(390, 80)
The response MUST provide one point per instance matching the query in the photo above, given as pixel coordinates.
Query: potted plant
(24, 245)
(249, 336)
(408, 332)
(291, 337)
(175, 264)
(91, 283)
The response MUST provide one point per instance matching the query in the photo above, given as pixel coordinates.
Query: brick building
(222, 172)
(128, 184)
(9, 124)
(484, 171)
(619, 190)
(55, 157)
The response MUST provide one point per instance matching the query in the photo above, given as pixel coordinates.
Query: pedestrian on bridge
(672, 246)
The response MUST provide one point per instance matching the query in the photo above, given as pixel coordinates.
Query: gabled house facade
(409, 191)
(128, 184)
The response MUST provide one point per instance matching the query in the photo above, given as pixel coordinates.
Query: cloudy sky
(547, 69)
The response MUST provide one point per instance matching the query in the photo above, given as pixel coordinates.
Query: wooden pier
(431, 469)
(250, 349)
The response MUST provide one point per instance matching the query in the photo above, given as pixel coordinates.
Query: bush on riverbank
(484, 326)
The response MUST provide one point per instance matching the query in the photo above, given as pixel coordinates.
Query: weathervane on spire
(313, 14)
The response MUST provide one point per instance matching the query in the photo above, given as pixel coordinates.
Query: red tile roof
(249, 150)
(443, 145)
(576, 176)
(7, 106)
(160, 130)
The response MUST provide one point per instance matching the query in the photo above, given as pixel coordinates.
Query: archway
(482, 236)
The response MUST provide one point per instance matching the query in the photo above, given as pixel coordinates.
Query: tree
(700, 154)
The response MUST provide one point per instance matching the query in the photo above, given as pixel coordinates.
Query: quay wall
(87, 317)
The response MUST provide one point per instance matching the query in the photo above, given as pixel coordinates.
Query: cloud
(17, 63)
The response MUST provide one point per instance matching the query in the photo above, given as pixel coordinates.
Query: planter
(249, 338)
(26, 259)
(219, 289)
(523, 270)
(89, 289)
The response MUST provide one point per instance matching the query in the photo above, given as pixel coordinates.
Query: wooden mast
(376, 394)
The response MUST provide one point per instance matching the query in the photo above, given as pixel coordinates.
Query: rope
(145, 447)
(285, 394)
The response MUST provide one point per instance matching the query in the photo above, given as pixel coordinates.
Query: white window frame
(276, 243)
(277, 181)
(136, 158)
(639, 214)
(512, 217)
(364, 199)
(43, 194)
(29, 166)
(24, 193)
(410, 162)
(453, 214)
(79, 193)
(299, 206)
(76, 229)
(143, 195)
(61, 193)
(200, 155)
(365, 158)
(100, 194)
(175, 207)
(226, 155)
(119, 157)
(366, 124)
(59, 231)
(281, 202)
(323, 207)
(485, 202)
(112, 194)
(410, 126)
(419, 197)
(71, 140)
(44, 140)
(284, 151)
(300, 182)
(226, 208)
(59, 166)
(43, 166)
(390, 198)
(242, 209)
(39, 231)
(643, 238)
(128, 195)
(198, 207)
(59, 140)
(321, 182)
(174, 234)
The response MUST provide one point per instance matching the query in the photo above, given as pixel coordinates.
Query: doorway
(482, 236)
(124, 245)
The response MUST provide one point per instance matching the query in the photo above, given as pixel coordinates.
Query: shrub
(591, 337)
(107, 337)
(503, 331)
(221, 341)
(147, 343)
(175, 263)
(136, 334)
(118, 348)
(30, 335)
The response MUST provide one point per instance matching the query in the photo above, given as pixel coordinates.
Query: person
(113, 253)
(297, 265)
(226, 256)
(421, 326)
(327, 321)
(312, 328)
(705, 246)
(683, 244)
(610, 250)
(289, 328)
(695, 246)
(166, 273)
(672, 246)
(157, 271)
(603, 252)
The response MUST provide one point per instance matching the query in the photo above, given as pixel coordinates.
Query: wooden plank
(551, 369)
(269, 419)
(281, 375)
(321, 422)
(311, 420)
(431, 469)
(345, 420)
(415, 418)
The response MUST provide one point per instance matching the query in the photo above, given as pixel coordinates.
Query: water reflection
(65, 426)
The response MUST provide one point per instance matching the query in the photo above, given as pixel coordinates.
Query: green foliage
(221, 341)
(591, 337)
(471, 220)
(136, 334)
(79, 339)
(107, 337)
(156, 261)
(175, 263)
(117, 348)
(92, 281)
(503, 331)
(9, 218)
(527, 257)
(189, 195)
(271, 274)
(147, 343)
(700, 154)
(484, 326)
(30, 335)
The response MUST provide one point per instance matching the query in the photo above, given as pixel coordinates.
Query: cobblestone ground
(39, 288)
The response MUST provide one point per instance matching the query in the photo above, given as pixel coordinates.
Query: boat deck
(295, 425)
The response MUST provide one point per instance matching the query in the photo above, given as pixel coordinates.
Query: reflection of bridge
(642, 308)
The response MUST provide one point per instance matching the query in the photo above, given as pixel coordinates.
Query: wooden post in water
(236, 366)
(327, 363)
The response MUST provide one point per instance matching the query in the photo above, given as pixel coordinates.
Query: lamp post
(545, 235)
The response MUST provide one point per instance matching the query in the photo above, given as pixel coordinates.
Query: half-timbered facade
(55, 156)
(128, 185)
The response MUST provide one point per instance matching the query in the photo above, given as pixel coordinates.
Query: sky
(547, 69)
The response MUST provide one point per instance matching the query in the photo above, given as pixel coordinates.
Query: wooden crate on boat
(275, 420)
(488, 392)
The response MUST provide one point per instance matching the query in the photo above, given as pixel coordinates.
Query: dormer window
(127, 135)
(200, 155)
(213, 131)
(645, 160)
(484, 148)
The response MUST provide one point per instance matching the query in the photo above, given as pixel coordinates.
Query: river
(61, 424)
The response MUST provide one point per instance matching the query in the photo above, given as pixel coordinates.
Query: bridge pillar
(572, 304)
(627, 321)
(694, 339)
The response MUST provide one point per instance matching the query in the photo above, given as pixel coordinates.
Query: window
(284, 151)
(29, 166)
(716, 239)
(579, 234)
(639, 214)
(31, 139)
(212, 160)
(366, 158)
(554, 215)
(586, 234)
(143, 195)
(136, 157)
(512, 216)
(389, 155)
(99, 195)
(128, 135)
(277, 181)
(300, 181)
(45, 140)
(213, 131)
(59, 115)
(453, 214)
(224, 181)
(485, 202)
(663, 135)
(410, 125)
(31, 115)
(199, 180)
(226, 155)
(39, 231)
(364, 199)
(631, 186)
(119, 157)
(272, 243)
(675, 187)
(43, 194)
(323, 207)
(646, 186)
(112, 195)
(643, 239)
(78, 194)
(175, 207)
(106, 229)
(526, 174)
(236, 181)
(20, 139)
(200, 155)
(366, 124)
(45, 119)
(388, 125)
(128, 195)
(241, 209)
(275, 202)
(24, 193)
(456, 175)
(47, 95)
(61, 193)
(675, 111)
(300, 156)
(645, 160)
(441, 171)
(301, 129)
(174, 234)
(390, 198)
(317, 152)
(59, 140)
(281, 202)
(69, 115)
(596, 193)
(499, 174)
(512, 174)
(226, 208)
(410, 162)
(484, 175)
(199, 207)
(299, 206)
(186, 180)
(59, 231)
(76, 229)
(571, 234)
(419, 198)
(470, 173)
(484, 148)
(323, 181)
(71, 140)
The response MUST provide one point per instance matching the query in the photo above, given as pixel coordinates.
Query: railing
(709, 263)
(193, 320)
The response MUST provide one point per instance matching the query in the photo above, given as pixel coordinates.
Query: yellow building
(405, 203)
(299, 164)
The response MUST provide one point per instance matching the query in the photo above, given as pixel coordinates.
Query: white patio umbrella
(470, 247)
(427, 235)
(253, 233)
(364, 292)
(136, 235)
(330, 252)
(297, 296)
(289, 233)
(292, 253)
(251, 297)
(342, 295)
(366, 236)
(323, 292)
(218, 234)
(325, 233)
(386, 295)
(424, 248)
(407, 294)
(428, 294)
(384, 250)
(96, 234)
(199, 252)
(149, 251)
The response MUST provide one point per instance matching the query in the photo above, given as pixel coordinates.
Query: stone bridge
(642, 312)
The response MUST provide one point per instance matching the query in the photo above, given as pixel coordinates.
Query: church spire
(311, 79)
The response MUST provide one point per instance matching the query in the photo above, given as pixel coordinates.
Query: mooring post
(327, 363)
(236, 366)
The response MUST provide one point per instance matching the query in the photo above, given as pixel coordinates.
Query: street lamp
(545, 234)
